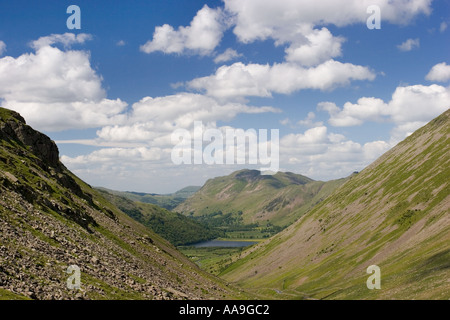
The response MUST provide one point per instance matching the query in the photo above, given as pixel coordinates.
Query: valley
(244, 206)
(306, 239)
(236, 157)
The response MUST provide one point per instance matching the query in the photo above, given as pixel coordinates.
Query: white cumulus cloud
(300, 24)
(439, 72)
(322, 154)
(409, 108)
(202, 36)
(263, 19)
(154, 119)
(312, 47)
(240, 80)
(55, 89)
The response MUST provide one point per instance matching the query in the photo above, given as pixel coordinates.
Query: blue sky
(112, 93)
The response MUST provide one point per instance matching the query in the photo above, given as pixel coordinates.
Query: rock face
(15, 128)
(50, 220)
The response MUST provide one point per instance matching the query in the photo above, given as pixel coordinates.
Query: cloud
(418, 103)
(140, 148)
(227, 55)
(264, 19)
(300, 24)
(309, 121)
(66, 39)
(439, 72)
(202, 36)
(291, 22)
(443, 26)
(286, 122)
(2, 47)
(120, 43)
(239, 80)
(116, 167)
(154, 119)
(355, 114)
(409, 108)
(325, 155)
(99, 143)
(330, 107)
(316, 153)
(409, 44)
(116, 154)
(312, 47)
(139, 141)
(57, 90)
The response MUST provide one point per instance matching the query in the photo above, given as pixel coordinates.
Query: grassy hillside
(263, 202)
(174, 227)
(394, 214)
(50, 219)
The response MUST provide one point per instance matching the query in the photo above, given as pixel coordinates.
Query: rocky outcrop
(13, 127)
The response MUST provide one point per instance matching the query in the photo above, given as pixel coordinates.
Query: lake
(223, 243)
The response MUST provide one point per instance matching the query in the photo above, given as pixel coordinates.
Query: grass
(8, 295)
(211, 259)
(109, 292)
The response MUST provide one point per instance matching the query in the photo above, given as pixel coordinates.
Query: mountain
(167, 201)
(50, 220)
(395, 214)
(186, 192)
(174, 227)
(258, 199)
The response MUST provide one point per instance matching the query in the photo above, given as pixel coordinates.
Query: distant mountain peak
(279, 199)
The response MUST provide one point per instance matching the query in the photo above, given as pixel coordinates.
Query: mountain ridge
(277, 199)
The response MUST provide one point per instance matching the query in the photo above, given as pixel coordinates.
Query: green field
(213, 259)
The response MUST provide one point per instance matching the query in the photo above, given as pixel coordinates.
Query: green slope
(394, 214)
(50, 219)
(174, 227)
(253, 198)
